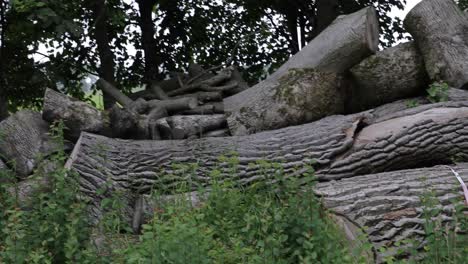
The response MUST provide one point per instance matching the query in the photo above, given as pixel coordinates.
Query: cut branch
(120, 97)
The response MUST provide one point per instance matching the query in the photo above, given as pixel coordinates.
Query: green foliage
(445, 244)
(279, 223)
(412, 103)
(445, 240)
(463, 4)
(438, 92)
(51, 227)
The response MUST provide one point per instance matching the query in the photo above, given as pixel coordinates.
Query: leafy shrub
(260, 223)
(438, 92)
(54, 227)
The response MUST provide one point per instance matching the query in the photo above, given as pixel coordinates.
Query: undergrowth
(282, 222)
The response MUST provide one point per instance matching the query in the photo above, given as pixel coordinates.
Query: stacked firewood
(186, 106)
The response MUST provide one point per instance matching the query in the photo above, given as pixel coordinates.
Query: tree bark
(384, 111)
(191, 126)
(77, 116)
(236, 77)
(106, 56)
(25, 140)
(345, 43)
(3, 26)
(340, 147)
(207, 109)
(387, 76)
(327, 11)
(113, 92)
(203, 97)
(148, 41)
(440, 30)
(387, 206)
(301, 96)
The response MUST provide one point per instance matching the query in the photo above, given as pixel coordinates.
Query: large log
(387, 76)
(388, 207)
(440, 30)
(77, 116)
(340, 146)
(343, 44)
(24, 141)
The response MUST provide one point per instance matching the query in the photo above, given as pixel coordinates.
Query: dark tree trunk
(148, 41)
(327, 11)
(106, 57)
(3, 25)
(291, 13)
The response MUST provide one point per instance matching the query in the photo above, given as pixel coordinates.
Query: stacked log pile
(358, 114)
(192, 109)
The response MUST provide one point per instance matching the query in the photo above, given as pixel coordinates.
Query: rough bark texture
(387, 76)
(342, 45)
(26, 190)
(149, 43)
(384, 111)
(440, 30)
(77, 116)
(191, 126)
(106, 56)
(341, 146)
(117, 95)
(301, 96)
(24, 140)
(387, 206)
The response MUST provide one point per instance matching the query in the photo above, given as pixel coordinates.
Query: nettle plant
(438, 92)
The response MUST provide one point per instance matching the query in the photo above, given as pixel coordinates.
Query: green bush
(54, 227)
(279, 223)
(438, 92)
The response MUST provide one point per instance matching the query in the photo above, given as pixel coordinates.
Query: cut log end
(372, 30)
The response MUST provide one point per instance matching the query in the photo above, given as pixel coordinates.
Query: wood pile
(361, 116)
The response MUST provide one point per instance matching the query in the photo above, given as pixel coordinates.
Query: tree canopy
(134, 42)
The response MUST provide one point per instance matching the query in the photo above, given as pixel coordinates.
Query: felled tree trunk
(387, 206)
(24, 141)
(345, 43)
(339, 146)
(300, 96)
(387, 76)
(77, 116)
(440, 30)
